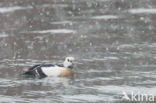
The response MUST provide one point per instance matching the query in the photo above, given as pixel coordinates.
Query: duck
(51, 70)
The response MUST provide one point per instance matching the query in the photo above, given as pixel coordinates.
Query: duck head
(68, 63)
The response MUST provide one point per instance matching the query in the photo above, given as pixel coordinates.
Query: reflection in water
(53, 81)
(113, 42)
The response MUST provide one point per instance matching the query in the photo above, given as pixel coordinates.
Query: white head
(68, 63)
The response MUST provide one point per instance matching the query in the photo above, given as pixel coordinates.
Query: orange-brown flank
(67, 73)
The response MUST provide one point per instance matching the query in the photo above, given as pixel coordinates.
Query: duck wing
(32, 70)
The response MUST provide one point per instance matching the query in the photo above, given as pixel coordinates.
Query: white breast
(52, 71)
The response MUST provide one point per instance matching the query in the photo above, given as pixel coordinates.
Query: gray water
(113, 42)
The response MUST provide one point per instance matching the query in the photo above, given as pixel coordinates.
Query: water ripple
(86, 97)
(12, 9)
(142, 10)
(55, 31)
(105, 17)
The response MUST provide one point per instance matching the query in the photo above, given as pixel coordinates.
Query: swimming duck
(46, 70)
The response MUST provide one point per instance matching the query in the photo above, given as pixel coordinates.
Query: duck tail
(30, 70)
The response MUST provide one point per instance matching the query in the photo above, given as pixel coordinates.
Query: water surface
(113, 42)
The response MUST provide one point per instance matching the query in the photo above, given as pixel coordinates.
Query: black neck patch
(71, 67)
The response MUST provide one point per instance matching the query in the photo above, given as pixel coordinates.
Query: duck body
(46, 70)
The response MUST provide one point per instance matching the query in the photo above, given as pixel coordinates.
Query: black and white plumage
(44, 70)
